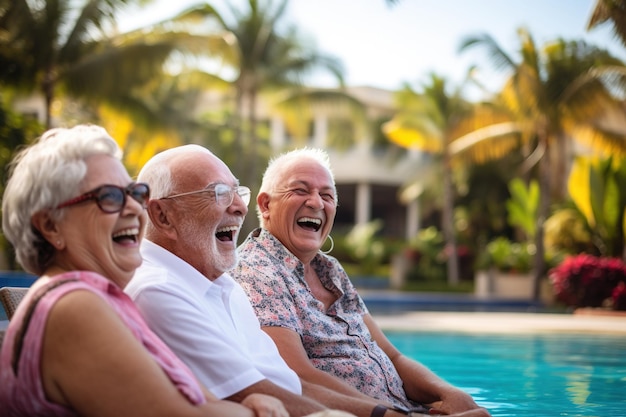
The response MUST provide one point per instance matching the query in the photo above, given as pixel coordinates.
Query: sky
(386, 46)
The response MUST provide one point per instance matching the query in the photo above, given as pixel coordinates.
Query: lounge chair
(10, 297)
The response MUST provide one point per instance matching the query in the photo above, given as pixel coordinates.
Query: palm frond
(606, 140)
(499, 58)
(613, 11)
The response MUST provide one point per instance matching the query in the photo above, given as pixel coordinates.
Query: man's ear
(263, 202)
(47, 227)
(160, 217)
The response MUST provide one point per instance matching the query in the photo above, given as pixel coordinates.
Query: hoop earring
(332, 245)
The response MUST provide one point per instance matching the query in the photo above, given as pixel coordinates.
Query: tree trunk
(539, 262)
(239, 146)
(253, 155)
(47, 87)
(452, 259)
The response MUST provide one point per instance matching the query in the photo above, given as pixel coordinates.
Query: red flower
(587, 281)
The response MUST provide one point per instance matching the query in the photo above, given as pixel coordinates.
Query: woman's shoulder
(77, 303)
(73, 296)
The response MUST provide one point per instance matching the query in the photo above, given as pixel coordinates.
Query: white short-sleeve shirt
(210, 325)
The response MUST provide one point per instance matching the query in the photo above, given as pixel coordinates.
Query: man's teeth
(310, 220)
(228, 229)
(126, 232)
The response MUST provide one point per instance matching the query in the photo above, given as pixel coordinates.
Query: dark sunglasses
(112, 198)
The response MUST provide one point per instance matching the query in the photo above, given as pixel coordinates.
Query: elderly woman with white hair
(77, 345)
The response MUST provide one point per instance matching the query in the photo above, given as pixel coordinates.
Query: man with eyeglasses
(187, 297)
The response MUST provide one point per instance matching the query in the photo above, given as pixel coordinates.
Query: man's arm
(319, 385)
(296, 405)
(361, 406)
(420, 383)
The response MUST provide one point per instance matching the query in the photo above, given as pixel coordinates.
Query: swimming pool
(528, 375)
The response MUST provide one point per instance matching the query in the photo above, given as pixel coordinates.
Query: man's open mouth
(310, 223)
(226, 234)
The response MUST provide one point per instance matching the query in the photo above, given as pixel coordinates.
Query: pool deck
(583, 322)
(434, 312)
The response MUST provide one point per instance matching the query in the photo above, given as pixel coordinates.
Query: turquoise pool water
(528, 375)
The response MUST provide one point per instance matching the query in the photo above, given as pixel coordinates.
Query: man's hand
(477, 412)
(265, 405)
(456, 402)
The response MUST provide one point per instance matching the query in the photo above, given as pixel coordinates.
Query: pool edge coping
(502, 322)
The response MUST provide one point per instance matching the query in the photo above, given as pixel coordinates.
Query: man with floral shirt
(307, 304)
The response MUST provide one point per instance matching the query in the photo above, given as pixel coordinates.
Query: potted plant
(503, 269)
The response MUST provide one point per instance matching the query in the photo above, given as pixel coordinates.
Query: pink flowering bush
(589, 281)
(619, 296)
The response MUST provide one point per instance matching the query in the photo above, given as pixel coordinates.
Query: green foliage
(504, 255)
(364, 254)
(363, 246)
(567, 232)
(522, 206)
(15, 132)
(60, 47)
(426, 251)
(598, 189)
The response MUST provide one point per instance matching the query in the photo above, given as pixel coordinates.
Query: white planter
(497, 284)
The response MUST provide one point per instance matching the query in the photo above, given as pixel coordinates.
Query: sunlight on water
(528, 375)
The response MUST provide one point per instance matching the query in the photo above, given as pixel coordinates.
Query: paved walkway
(481, 322)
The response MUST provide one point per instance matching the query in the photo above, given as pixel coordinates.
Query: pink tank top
(21, 389)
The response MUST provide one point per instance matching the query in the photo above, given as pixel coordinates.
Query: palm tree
(430, 122)
(250, 44)
(553, 96)
(62, 46)
(160, 117)
(610, 11)
(16, 131)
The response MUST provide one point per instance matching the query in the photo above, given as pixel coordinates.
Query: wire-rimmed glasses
(223, 194)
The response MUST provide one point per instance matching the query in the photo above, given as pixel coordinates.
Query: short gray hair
(41, 177)
(158, 170)
(158, 173)
(281, 164)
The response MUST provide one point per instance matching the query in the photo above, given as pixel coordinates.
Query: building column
(320, 130)
(277, 134)
(412, 218)
(363, 202)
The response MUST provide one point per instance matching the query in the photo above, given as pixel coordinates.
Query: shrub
(507, 256)
(619, 297)
(426, 252)
(589, 281)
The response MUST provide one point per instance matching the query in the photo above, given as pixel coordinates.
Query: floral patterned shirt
(337, 340)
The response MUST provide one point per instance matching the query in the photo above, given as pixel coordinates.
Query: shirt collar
(321, 262)
(289, 260)
(183, 271)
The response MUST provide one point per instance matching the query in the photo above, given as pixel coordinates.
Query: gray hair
(282, 164)
(41, 177)
(158, 171)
